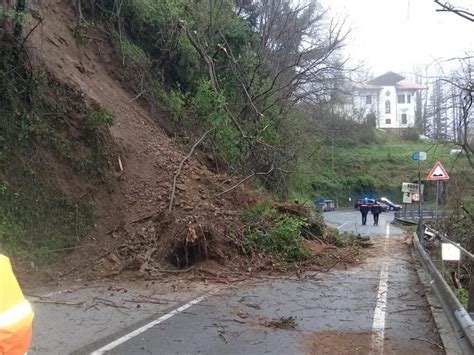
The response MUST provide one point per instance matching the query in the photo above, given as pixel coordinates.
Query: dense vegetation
(339, 171)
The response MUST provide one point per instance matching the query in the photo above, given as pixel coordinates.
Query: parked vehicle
(325, 205)
(384, 206)
(329, 205)
(392, 206)
(365, 200)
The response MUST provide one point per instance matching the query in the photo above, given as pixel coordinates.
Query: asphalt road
(374, 308)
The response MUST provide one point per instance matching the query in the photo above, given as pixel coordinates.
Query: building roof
(406, 84)
(366, 86)
(388, 79)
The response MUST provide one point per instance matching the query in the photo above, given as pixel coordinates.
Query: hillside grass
(376, 169)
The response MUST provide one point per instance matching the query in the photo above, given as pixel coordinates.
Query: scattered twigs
(313, 237)
(61, 303)
(429, 342)
(145, 301)
(108, 303)
(340, 260)
(178, 172)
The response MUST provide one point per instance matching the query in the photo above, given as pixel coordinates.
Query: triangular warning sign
(438, 173)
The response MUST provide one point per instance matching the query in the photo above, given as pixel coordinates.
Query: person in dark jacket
(364, 210)
(376, 210)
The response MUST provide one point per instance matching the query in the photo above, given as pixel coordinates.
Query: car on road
(370, 201)
(392, 206)
(365, 200)
(384, 206)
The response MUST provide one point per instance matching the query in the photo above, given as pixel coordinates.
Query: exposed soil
(355, 343)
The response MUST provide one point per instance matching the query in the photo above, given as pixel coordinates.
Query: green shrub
(10, 233)
(411, 134)
(134, 53)
(98, 118)
(79, 32)
(176, 100)
(463, 296)
(258, 212)
(274, 233)
(17, 17)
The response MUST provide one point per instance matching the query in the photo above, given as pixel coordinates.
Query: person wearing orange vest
(16, 315)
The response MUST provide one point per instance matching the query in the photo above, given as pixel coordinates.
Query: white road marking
(146, 327)
(387, 232)
(342, 225)
(378, 324)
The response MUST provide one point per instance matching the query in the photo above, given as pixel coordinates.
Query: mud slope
(135, 231)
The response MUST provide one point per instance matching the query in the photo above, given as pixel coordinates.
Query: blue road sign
(419, 156)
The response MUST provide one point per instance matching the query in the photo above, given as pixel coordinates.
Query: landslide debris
(136, 232)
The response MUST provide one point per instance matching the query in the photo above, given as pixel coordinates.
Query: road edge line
(378, 324)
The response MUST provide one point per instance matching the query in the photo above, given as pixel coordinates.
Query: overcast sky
(399, 34)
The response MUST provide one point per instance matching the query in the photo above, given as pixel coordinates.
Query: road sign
(438, 173)
(415, 197)
(450, 252)
(419, 156)
(409, 187)
(406, 197)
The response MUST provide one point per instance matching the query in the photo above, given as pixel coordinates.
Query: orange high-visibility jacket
(16, 315)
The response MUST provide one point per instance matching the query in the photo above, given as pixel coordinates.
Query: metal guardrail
(433, 233)
(406, 221)
(413, 215)
(458, 317)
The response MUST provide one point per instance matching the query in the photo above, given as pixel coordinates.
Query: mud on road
(377, 306)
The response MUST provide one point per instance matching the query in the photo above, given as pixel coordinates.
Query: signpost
(419, 156)
(438, 173)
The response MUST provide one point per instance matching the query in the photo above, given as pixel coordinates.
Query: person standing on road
(376, 210)
(364, 210)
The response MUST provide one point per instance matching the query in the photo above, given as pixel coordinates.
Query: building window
(387, 106)
(401, 99)
(387, 93)
(368, 100)
(388, 121)
(408, 98)
(404, 118)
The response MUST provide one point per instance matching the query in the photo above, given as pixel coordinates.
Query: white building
(389, 97)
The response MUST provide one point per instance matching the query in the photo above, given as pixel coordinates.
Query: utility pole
(420, 198)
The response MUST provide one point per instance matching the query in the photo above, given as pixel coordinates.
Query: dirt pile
(136, 229)
(139, 231)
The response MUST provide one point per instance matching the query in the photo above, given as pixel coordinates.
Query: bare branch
(447, 7)
(244, 180)
(178, 172)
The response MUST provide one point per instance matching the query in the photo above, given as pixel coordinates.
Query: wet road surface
(376, 307)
